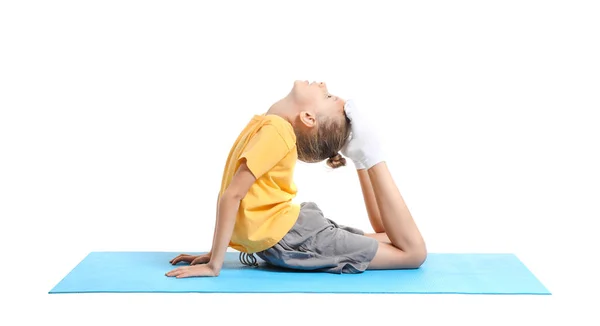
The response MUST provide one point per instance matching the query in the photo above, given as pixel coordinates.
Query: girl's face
(315, 97)
(321, 127)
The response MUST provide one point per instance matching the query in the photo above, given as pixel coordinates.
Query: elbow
(230, 195)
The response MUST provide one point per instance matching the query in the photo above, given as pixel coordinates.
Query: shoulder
(281, 127)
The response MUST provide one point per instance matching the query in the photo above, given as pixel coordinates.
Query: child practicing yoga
(256, 213)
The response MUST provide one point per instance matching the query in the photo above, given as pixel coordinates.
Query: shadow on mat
(263, 267)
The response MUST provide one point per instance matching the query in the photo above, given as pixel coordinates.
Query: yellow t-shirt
(267, 213)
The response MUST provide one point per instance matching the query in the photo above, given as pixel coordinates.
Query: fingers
(182, 257)
(181, 272)
(177, 271)
(171, 261)
(192, 271)
(200, 260)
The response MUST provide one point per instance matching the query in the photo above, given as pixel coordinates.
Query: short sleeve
(264, 150)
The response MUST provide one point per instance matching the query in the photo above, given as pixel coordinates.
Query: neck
(283, 108)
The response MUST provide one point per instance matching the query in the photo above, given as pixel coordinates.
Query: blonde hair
(325, 142)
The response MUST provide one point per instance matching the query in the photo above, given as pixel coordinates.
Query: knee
(418, 257)
(378, 228)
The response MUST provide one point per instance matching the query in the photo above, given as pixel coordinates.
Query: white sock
(363, 147)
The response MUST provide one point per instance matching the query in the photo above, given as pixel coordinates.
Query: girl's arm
(229, 204)
(216, 219)
(227, 208)
(264, 151)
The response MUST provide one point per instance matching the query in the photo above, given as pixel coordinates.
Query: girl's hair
(325, 142)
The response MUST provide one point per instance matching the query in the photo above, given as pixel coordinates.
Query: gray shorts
(317, 243)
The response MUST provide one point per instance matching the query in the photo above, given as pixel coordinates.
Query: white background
(117, 116)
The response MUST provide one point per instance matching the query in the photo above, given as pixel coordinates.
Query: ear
(308, 119)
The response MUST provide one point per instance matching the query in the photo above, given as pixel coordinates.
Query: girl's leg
(406, 247)
(370, 201)
(372, 208)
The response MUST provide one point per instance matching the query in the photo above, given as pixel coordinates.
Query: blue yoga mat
(129, 272)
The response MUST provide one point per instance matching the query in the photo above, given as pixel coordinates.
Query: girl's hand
(193, 271)
(192, 260)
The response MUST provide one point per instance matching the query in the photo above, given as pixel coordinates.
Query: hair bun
(336, 161)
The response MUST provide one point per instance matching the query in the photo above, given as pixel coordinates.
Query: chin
(300, 82)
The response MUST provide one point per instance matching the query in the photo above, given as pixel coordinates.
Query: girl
(255, 212)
